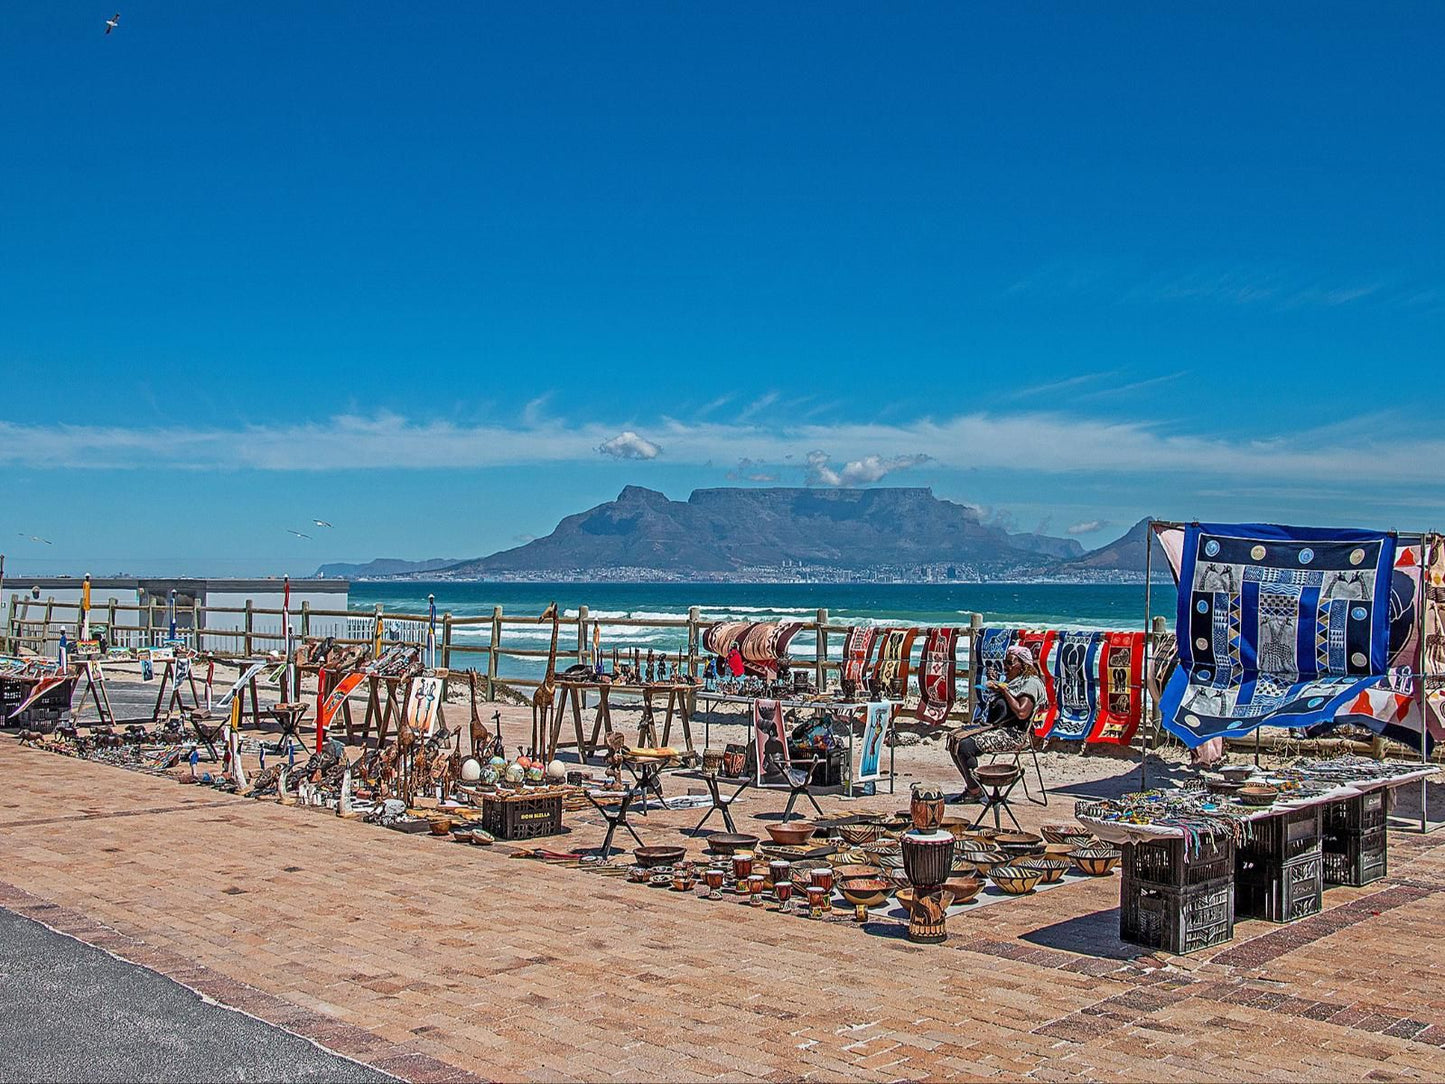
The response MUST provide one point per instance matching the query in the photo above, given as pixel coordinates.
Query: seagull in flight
(320, 523)
(298, 534)
(112, 22)
(36, 538)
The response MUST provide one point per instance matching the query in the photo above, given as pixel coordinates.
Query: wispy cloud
(1057, 385)
(1046, 443)
(1135, 385)
(1277, 288)
(1089, 526)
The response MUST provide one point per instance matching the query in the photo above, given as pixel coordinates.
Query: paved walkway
(432, 960)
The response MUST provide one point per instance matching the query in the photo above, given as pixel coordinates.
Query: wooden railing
(247, 631)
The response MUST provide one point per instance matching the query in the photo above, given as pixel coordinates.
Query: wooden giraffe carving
(547, 691)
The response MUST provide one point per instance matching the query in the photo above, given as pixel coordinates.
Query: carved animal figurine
(479, 732)
(547, 691)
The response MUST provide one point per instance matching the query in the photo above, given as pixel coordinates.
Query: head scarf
(1023, 655)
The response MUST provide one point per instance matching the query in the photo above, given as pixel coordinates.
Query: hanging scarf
(937, 675)
(857, 646)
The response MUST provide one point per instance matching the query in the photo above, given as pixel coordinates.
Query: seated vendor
(1009, 717)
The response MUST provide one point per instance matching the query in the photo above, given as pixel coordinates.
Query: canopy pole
(1148, 644)
(1425, 556)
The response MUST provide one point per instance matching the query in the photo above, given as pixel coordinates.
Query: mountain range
(774, 532)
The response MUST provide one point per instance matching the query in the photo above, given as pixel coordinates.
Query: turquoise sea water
(1059, 606)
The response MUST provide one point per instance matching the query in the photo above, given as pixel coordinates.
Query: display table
(571, 693)
(1181, 891)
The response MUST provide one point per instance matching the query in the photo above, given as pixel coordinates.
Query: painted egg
(557, 771)
(471, 770)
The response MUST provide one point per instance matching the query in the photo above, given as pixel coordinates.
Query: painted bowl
(1052, 870)
(462, 834)
(1015, 880)
(983, 861)
(1019, 844)
(1063, 850)
(793, 833)
(854, 834)
(955, 826)
(482, 838)
(648, 857)
(1095, 861)
(1061, 833)
(884, 851)
(868, 891)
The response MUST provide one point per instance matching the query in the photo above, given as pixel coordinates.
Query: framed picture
(875, 737)
(770, 742)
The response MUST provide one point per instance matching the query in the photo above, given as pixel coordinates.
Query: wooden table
(570, 693)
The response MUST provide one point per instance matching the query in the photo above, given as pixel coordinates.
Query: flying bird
(36, 538)
(112, 22)
(320, 523)
(298, 534)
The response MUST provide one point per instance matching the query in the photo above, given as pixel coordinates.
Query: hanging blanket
(857, 646)
(891, 670)
(719, 639)
(1073, 670)
(1392, 708)
(1121, 694)
(1277, 626)
(937, 673)
(992, 643)
(764, 644)
(1040, 643)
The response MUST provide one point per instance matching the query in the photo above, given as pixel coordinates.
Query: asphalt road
(70, 1012)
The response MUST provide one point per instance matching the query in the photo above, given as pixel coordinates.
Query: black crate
(1171, 863)
(1283, 892)
(1282, 837)
(1362, 813)
(1177, 920)
(828, 772)
(1354, 858)
(526, 816)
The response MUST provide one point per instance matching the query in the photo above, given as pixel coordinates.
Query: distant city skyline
(439, 278)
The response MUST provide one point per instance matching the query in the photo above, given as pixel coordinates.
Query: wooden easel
(177, 702)
(94, 688)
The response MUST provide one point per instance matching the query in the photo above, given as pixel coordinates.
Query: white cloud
(628, 445)
(1088, 526)
(1339, 459)
(858, 472)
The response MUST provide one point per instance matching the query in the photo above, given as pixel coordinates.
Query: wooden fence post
(822, 649)
(582, 613)
(447, 640)
(249, 628)
(45, 628)
(975, 622)
(694, 616)
(196, 623)
(492, 654)
(305, 617)
(10, 625)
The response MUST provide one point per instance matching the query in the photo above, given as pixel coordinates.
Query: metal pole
(1148, 642)
(1425, 557)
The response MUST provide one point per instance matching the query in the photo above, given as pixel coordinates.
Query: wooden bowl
(1095, 861)
(964, 889)
(792, 834)
(441, 826)
(997, 775)
(1052, 870)
(1260, 794)
(954, 826)
(1060, 850)
(904, 896)
(726, 843)
(648, 857)
(847, 870)
(868, 891)
(1015, 880)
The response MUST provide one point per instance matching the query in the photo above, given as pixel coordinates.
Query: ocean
(1057, 606)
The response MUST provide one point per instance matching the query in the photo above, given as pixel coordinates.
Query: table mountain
(721, 530)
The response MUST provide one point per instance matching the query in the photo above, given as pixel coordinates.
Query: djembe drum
(927, 859)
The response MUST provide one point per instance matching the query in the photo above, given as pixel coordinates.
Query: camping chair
(1025, 744)
(799, 781)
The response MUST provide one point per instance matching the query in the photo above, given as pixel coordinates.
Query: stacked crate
(1177, 897)
(1279, 872)
(1354, 839)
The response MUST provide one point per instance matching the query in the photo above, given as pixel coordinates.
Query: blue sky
(414, 269)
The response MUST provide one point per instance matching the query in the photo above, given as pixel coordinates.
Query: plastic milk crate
(1177, 920)
(1355, 858)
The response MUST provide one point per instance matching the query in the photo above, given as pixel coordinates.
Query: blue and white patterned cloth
(1277, 626)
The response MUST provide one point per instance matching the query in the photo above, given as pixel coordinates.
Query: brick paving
(436, 961)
